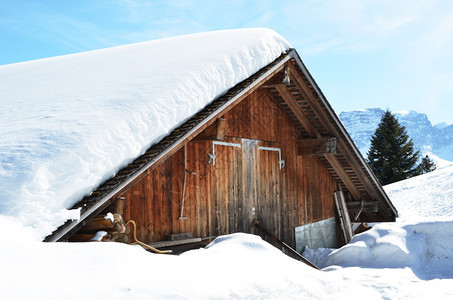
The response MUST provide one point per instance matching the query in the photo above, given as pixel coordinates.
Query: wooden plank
(365, 206)
(173, 243)
(317, 146)
(179, 236)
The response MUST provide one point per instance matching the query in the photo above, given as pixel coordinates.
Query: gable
(311, 115)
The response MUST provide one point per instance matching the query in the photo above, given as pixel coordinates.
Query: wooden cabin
(270, 150)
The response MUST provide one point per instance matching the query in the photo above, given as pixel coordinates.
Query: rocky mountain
(433, 140)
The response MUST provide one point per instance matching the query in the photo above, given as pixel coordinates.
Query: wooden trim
(317, 146)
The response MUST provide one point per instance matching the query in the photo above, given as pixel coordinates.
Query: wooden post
(345, 221)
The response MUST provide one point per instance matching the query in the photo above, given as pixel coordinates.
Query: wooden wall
(244, 184)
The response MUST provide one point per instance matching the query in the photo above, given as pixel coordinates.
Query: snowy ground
(409, 259)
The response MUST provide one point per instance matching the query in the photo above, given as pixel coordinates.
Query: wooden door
(269, 188)
(247, 179)
(226, 160)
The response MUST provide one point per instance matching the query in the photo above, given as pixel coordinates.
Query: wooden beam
(295, 108)
(366, 206)
(333, 161)
(221, 123)
(317, 146)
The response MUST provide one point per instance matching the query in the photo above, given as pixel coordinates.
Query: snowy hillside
(436, 141)
(68, 123)
(409, 259)
(428, 197)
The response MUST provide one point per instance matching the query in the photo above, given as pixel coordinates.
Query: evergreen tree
(392, 156)
(427, 165)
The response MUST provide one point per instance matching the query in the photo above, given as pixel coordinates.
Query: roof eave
(343, 130)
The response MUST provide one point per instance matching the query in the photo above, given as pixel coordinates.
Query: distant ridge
(435, 141)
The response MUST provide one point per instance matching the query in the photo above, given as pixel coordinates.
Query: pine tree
(392, 156)
(427, 165)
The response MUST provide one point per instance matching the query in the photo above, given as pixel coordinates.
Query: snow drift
(67, 123)
(237, 266)
(426, 248)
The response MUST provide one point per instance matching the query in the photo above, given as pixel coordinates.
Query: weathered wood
(244, 184)
(317, 146)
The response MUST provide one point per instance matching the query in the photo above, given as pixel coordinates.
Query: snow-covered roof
(68, 123)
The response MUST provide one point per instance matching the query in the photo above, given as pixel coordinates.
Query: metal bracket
(360, 211)
(281, 162)
(212, 155)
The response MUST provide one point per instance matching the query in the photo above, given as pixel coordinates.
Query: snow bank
(238, 266)
(67, 123)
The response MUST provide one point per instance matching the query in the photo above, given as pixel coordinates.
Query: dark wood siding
(245, 183)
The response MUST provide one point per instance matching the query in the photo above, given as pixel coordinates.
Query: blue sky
(362, 53)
